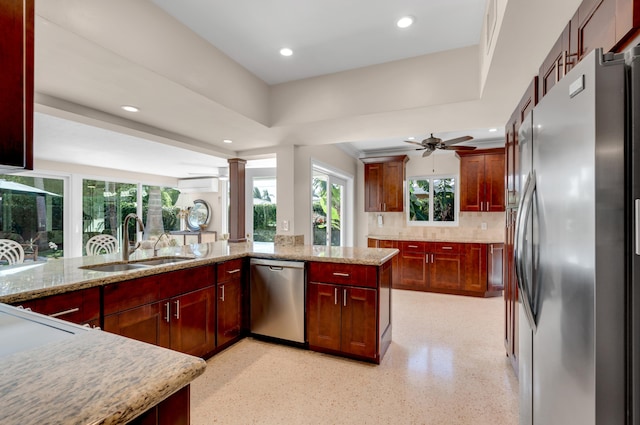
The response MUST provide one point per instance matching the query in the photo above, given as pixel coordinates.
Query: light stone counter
(423, 239)
(92, 377)
(34, 280)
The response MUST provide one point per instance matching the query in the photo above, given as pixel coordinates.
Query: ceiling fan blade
(413, 143)
(427, 153)
(457, 140)
(459, 148)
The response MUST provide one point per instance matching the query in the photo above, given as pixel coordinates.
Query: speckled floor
(446, 365)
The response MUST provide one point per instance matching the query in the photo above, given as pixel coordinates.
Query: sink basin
(114, 267)
(161, 260)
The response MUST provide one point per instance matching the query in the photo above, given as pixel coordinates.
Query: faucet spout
(155, 245)
(126, 250)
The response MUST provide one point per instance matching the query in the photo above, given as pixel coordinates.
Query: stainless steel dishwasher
(277, 297)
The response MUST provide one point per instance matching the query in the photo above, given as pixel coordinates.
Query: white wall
(435, 79)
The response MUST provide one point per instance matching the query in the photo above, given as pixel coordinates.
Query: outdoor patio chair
(11, 252)
(102, 244)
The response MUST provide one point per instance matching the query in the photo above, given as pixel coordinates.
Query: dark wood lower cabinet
(453, 268)
(192, 322)
(175, 310)
(342, 319)
(349, 309)
(175, 410)
(146, 323)
(229, 311)
(445, 271)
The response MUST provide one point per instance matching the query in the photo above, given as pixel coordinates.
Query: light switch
(285, 225)
(380, 222)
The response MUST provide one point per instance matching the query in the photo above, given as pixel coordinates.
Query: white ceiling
(327, 36)
(92, 57)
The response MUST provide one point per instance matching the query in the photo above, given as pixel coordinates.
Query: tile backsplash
(469, 229)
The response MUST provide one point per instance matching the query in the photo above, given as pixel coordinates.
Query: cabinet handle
(432, 258)
(384, 206)
(447, 247)
(222, 297)
(412, 246)
(491, 249)
(177, 309)
(426, 258)
(344, 297)
(335, 296)
(341, 274)
(167, 317)
(233, 271)
(62, 313)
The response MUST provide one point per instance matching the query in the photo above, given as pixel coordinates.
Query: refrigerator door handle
(524, 211)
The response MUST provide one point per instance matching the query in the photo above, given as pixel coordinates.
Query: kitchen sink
(114, 267)
(135, 265)
(161, 260)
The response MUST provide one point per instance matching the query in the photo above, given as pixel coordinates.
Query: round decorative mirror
(199, 215)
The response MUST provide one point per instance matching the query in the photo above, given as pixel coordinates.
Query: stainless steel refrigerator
(577, 248)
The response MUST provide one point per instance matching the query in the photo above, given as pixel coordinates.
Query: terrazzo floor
(446, 365)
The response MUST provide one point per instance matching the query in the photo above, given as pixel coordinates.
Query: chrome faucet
(155, 249)
(126, 250)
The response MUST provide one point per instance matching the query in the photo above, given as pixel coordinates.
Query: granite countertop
(92, 377)
(39, 279)
(423, 239)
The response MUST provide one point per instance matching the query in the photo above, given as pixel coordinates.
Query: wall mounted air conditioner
(208, 184)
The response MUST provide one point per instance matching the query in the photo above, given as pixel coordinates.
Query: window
(105, 204)
(32, 213)
(329, 206)
(432, 200)
(264, 209)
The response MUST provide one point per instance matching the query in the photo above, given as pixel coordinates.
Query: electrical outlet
(380, 222)
(285, 225)
(483, 226)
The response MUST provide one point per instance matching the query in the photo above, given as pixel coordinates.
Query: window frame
(430, 222)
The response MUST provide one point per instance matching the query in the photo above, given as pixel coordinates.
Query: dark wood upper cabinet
(384, 183)
(16, 84)
(482, 180)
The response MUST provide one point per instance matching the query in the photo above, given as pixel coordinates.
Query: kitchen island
(55, 372)
(40, 279)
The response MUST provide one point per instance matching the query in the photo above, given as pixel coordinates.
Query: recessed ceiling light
(405, 22)
(493, 130)
(227, 141)
(130, 108)
(285, 51)
(411, 138)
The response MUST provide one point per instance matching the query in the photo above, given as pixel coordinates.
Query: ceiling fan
(430, 144)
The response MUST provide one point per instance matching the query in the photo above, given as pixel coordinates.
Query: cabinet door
(373, 187)
(472, 183)
(229, 311)
(494, 183)
(597, 25)
(193, 322)
(445, 271)
(413, 270)
(359, 321)
(393, 187)
(16, 83)
(148, 323)
(475, 268)
(324, 315)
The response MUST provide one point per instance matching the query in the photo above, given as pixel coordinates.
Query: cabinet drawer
(228, 270)
(78, 306)
(343, 274)
(411, 246)
(128, 294)
(446, 248)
